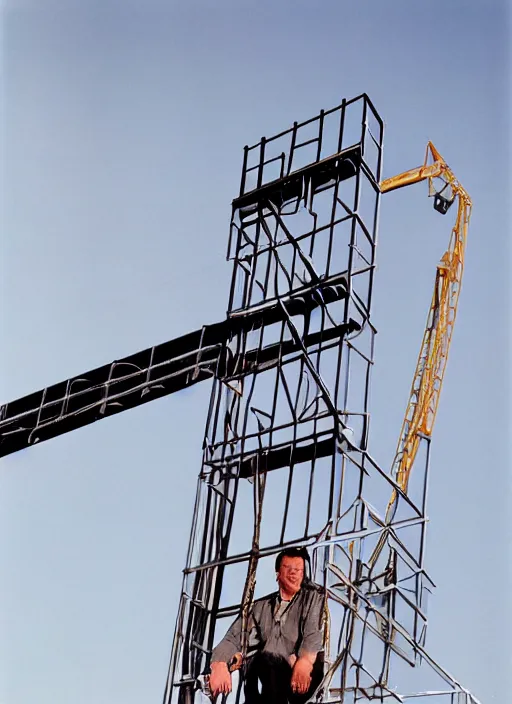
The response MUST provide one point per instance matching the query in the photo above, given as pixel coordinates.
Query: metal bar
(155, 372)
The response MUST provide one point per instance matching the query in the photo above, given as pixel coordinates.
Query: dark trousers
(272, 675)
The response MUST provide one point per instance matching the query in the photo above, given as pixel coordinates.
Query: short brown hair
(292, 552)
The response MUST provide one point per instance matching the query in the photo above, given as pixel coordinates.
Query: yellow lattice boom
(428, 378)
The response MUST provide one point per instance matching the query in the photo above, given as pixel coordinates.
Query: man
(284, 646)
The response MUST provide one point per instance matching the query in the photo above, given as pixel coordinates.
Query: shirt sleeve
(313, 635)
(230, 644)
(232, 641)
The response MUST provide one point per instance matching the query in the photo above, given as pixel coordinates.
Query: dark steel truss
(285, 453)
(152, 373)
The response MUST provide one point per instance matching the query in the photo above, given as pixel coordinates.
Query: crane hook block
(442, 204)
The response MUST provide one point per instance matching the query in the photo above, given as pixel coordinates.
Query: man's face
(291, 574)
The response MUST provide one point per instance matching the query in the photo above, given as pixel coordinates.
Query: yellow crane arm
(429, 374)
(428, 377)
(416, 175)
(420, 173)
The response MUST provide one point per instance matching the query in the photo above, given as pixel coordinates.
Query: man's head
(290, 567)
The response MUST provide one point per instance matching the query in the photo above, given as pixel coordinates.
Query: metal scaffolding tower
(285, 459)
(285, 454)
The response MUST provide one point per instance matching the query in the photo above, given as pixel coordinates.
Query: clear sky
(123, 124)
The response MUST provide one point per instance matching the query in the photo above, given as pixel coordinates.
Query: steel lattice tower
(285, 458)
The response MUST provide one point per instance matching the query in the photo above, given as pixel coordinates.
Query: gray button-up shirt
(292, 629)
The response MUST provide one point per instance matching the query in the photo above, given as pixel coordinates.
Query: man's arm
(230, 644)
(313, 633)
(301, 673)
(312, 644)
(229, 647)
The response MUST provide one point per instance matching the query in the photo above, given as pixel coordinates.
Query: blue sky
(123, 125)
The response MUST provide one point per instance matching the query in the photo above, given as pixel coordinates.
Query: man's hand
(301, 675)
(220, 679)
